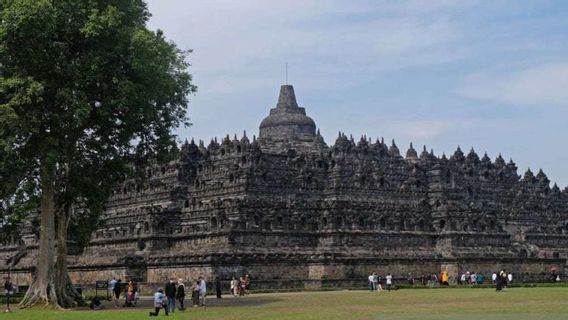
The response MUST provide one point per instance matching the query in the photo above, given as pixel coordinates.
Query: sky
(488, 75)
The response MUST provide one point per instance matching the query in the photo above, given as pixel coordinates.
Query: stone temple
(295, 212)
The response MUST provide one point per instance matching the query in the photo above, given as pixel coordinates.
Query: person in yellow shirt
(445, 278)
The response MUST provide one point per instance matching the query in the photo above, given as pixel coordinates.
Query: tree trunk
(42, 288)
(66, 293)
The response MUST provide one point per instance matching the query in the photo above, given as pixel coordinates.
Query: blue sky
(492, 75)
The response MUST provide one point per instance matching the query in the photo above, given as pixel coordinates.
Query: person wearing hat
(159, 303)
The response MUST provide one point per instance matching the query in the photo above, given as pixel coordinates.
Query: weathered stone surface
(291, 210)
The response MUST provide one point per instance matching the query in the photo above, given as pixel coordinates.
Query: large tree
(86, 91)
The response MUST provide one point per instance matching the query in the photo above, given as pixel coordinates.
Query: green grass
(466, 303)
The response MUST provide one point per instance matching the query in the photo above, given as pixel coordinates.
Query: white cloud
(542, 86)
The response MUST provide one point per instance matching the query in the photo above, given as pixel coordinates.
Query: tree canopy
(86, 90)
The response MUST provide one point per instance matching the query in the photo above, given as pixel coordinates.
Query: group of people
(175, 292)
(501, 280)
(130, 298)
(241, 286)
(375, 282)
(472, 278)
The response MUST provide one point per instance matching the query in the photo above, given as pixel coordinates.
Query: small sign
(101, 284)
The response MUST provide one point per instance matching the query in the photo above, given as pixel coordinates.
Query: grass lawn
(515, 304)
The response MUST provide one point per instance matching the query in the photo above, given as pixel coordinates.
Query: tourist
(433, 280)
(370, 282)
(462, 279)
(423, 280)
(136, 296)
(112, 284)
(501, 281)
(247, 283)
(510, 277)
(498, 284)
(96, 304)
(202, 292)
(473, 278)
(180, 294)
(389, 281)
(480, 278)
(159, 303)
(8, 287)
(554, 275)
(445, 278)
(218, 288)
(410, 279)
(130, 294)
(379, 283)
(234, 284)
(557, 278)
(494, 277)
(117, 291)
(375, 281)
(195, 293)
(171, 295)
(242, 286)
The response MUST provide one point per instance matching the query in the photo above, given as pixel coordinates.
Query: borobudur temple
(293, 211)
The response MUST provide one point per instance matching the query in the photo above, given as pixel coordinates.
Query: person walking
(159, 303)
(116, 292)
(234, 284)
(218, 288)
(242, 286)
(180, 294)
(501, 280)
(171, 295)
(247, 283)
(202, 292)
(111, 286)
(195, 293)
(130, 294)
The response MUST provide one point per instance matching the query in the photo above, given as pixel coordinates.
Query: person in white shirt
(202, 291)
(371, 286)
(510, 277)
(234, 283)
(159, 303)
(389, 281)
(494, 277)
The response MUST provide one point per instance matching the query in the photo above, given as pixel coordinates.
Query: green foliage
(86, 86)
